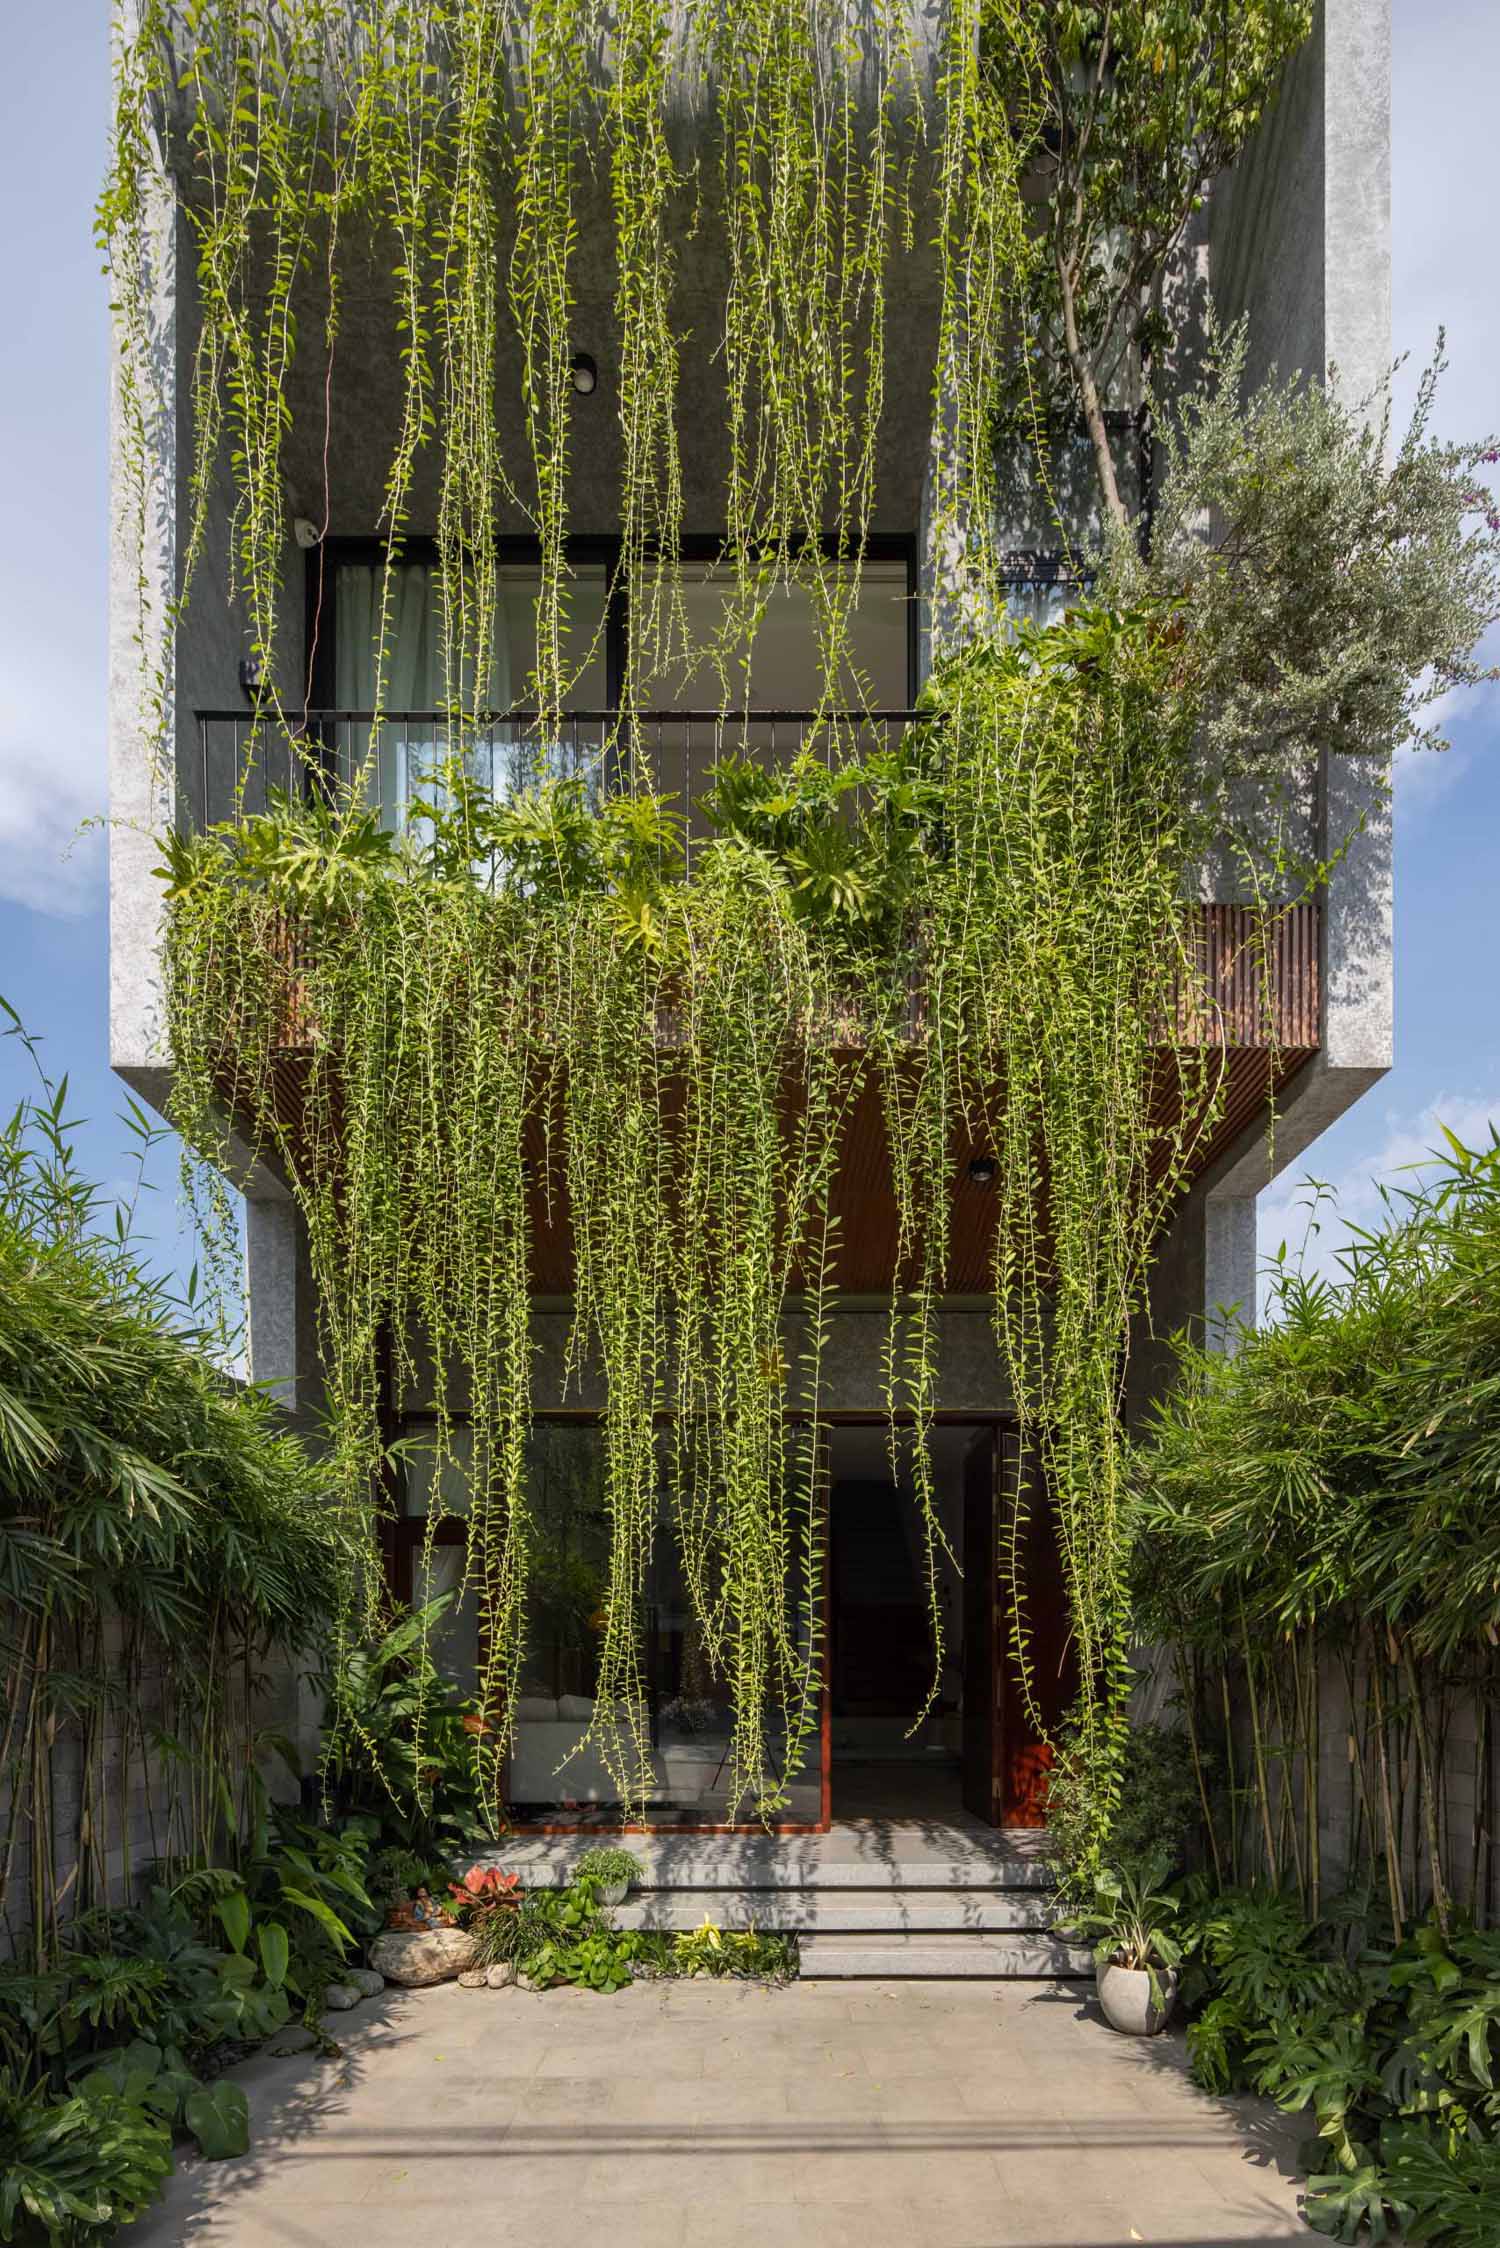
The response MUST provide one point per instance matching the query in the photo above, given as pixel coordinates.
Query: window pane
(778, 666)
(402, 762)
(453, 1642)
(430, 1488)
(689, 1713)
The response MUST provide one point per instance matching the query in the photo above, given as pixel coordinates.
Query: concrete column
(1229, 1268)
(271, 1297)
(143, 567)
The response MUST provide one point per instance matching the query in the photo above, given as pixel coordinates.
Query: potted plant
(1136, 1954)
(613, 1871)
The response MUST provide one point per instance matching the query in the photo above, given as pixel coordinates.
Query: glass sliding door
(566, 1751)
(767, 662)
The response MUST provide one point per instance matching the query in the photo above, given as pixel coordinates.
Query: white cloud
(1317, 1213)
(51, 782)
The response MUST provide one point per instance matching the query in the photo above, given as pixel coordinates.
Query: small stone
(501, 1975)
(364, 1980)
(525, 1983)
(295, 2038)
(473, 1978)
(431, 1955)
(339, 1997)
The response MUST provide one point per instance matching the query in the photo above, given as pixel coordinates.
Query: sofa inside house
(552, 1763)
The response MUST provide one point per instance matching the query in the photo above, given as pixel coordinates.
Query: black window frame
(320, 640)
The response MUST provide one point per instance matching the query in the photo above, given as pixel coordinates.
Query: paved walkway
(714, 2115)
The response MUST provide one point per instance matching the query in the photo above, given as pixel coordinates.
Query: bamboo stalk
(13, 1763)
(1288, 1791)
(1392, 1857)
(1481, 1760)
(1189, 1697)
(1429, 1789)
(1361, 1814)
(1233, 1772)
(1273, 1865)
(1314, 1706)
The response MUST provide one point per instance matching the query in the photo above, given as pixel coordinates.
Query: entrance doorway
(978, 1750)
(885, 1763)
(975, 1755)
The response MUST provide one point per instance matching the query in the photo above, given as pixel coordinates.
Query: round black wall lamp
(585, 373)
(982, 1169)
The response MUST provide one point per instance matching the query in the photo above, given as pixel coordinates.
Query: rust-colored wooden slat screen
(1252, 997)
(1255, 986)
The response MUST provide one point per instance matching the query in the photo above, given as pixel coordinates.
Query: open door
(982, 1683)
(1007, 1736)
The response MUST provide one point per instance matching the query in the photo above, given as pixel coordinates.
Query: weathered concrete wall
(970, 1378)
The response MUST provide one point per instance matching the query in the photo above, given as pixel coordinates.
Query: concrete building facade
(1296, 241)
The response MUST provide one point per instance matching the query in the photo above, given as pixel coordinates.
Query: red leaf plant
(483, 1890)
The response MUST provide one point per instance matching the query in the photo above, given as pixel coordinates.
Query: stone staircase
(879, 1899)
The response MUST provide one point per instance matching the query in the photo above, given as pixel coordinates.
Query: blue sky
(53, 956)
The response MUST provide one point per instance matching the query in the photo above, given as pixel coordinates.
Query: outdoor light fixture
(585, 374)
(982, 1169)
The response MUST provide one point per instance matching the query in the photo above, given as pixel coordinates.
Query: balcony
(1255, 1005)
(242, 759)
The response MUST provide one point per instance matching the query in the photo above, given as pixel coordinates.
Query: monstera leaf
(218, 2115)
(1340, 2203)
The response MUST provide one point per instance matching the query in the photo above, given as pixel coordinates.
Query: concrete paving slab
(924, 2117)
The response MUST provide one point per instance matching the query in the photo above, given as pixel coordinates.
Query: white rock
(425, 1955)
(501, 1975)
(473, 1978)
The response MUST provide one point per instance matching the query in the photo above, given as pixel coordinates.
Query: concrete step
(730, 1862)
(935, 1958)
(868, 1912)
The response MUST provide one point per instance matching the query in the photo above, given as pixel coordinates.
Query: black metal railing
(399, 761)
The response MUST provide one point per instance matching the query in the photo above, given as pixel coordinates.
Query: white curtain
(404, 763)
(390, 765)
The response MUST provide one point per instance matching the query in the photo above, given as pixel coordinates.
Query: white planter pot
(1125, 1995)
(615, 1894)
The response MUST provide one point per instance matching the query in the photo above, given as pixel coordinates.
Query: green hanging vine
(986, 922)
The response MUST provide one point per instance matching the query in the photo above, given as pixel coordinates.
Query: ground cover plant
(609, 1867)
(1390, 2045)
(568, 1935)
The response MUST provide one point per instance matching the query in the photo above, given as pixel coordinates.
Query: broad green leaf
(275, 1951)
(234, 1911)
(218, 2115)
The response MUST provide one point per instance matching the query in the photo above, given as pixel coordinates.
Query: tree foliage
(160, 1539)
(1325, 1496)
(1146, 102)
